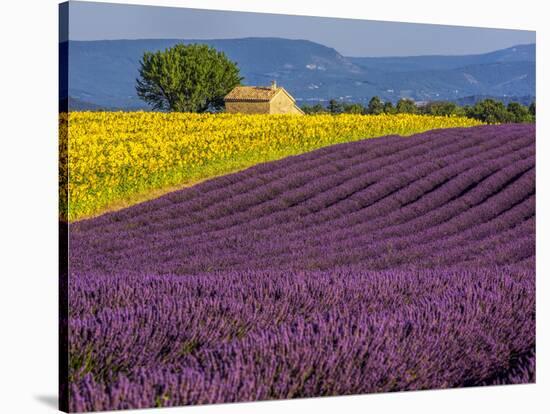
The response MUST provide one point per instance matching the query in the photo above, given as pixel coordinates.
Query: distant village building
(261, 100)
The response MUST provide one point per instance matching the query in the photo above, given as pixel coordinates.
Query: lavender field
(388, 264)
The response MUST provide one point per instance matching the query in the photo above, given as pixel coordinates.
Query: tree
(335, 107)
(490, 111)
(376, 106)
(313, 109)
(406, 106)
(518, 113)
(389, 108)
(186, 78)
(354, 108)
(443, 108)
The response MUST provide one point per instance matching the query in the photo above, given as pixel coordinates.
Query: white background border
(28, 167)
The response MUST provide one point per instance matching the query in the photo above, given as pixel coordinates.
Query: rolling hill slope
(381, 265)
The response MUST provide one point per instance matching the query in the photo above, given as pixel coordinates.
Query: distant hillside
(103, 73)
(76, 104)
(496, 79)
(470, 100)
(520, 53)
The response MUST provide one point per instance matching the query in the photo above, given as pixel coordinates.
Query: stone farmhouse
(261, 100)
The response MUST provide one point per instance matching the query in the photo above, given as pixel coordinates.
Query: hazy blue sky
(94, 21)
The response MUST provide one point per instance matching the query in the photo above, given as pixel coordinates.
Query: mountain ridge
(103, 72)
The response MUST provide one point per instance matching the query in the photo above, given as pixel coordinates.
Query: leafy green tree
(376, 106)
(313, 109)
(490, 111)
(389, 108)
(406, 106)
(354, 108)
(335, 107)
(443, 108)
(307, 109)
(519, 113)
(186, 78)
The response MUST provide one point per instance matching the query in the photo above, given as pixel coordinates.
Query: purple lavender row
(362, 227)
(356, 228)
(263, 335)
(237, 252)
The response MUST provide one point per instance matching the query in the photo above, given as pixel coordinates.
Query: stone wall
(247, 107)
(282, 104)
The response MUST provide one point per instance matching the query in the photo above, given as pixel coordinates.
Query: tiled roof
(252, 93)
